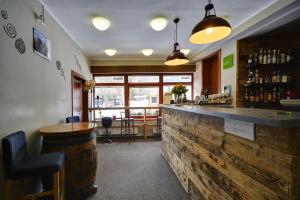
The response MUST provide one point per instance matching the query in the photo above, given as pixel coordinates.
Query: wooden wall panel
(213, 164)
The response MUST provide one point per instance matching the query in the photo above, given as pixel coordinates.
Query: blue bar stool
(18, 165)
(106, 123)
(73, 119)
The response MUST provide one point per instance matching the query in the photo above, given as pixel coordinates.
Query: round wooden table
(78, 142)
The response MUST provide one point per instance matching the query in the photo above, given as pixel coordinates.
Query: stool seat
(39, 165)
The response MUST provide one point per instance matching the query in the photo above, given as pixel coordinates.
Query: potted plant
(179, 90)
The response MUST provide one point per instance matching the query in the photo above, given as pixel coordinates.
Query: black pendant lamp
(176, 57)
(211, 28)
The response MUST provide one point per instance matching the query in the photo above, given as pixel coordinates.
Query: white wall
(228, 76)
(33, 92)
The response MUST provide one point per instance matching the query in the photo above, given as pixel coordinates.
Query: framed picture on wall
(41, 44)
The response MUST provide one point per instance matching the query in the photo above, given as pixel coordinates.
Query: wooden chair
(18, 165)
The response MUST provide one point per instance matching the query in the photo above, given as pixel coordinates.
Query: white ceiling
(130, 30)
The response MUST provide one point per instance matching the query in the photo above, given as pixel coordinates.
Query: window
(110, 96)
(109, 79)
(143, 96)
(143, 79)
(177, 78)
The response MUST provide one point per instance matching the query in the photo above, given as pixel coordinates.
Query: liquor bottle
(269, 58)
(278, 77)
(288, 95)
(255, 59)
(265, 57)
(289, 57)
(251, 97)
(289, 77)
(282, 58)
(269, 96)
(274, 95)
(261, 79)
(284, 78)
(256, 76)
(274, 60)
(257, 96)
(250, 60)
(267, 79)
(261, 95)
(274, 77)
(250, 77)
(260, 58)
(279, 94)
(278, 57)
(265, 96)
(246, 97)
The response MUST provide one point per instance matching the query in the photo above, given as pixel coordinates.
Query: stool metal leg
(62, 182)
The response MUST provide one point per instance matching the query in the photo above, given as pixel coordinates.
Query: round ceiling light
(147, 52)
(158, 23)
(110, 52)
(101, 23)
(211, 28)
(185, 51)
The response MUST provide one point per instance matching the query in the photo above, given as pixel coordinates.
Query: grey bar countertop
(274, 118)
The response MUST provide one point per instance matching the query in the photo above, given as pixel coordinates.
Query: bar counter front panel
(213, 164)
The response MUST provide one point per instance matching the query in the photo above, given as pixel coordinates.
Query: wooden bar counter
(212, 163)
(78, 142)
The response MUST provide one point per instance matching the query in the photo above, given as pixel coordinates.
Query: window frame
(159, 84)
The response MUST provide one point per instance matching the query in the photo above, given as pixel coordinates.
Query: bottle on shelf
(274, 56)
(279, 94)
(278, 57)
(261, 95)
(246, 97)
(256, 77)
(261, 79)
(289, 77)
(265, 57)
(282, 58)
(250, 60)
(288, 95)
(260, 58)
(251, 97)
(278, 77)
(284, 78)
(274, 77)
(274, 95)
(269, 58)
(257, 96)
(255, 59)
(269, 96)
(250, 77)
(267, 79)
(266, 95)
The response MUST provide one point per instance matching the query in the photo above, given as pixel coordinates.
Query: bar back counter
(233, 153)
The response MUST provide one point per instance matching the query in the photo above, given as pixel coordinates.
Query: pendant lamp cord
(176, 45)
(208, 8)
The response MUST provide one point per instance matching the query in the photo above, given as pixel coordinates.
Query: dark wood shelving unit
(284, 38)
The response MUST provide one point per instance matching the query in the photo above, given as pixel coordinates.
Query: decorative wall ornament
(4, 14)
(58, 65)
(20, 45)
(62, 72)
(41, 45)
(77, 62)
(10, 30)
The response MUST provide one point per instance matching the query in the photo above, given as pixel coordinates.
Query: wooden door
(211, 73)
(79, 97)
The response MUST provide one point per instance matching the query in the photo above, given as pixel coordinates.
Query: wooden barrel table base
(80, 162)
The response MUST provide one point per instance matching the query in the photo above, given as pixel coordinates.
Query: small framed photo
(41, 44)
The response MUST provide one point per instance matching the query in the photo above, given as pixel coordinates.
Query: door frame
(218, 54)
(84, 96)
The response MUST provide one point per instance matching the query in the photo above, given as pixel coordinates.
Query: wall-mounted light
(211, 28)
(110, 52)
(176, 57)
(41, 17)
